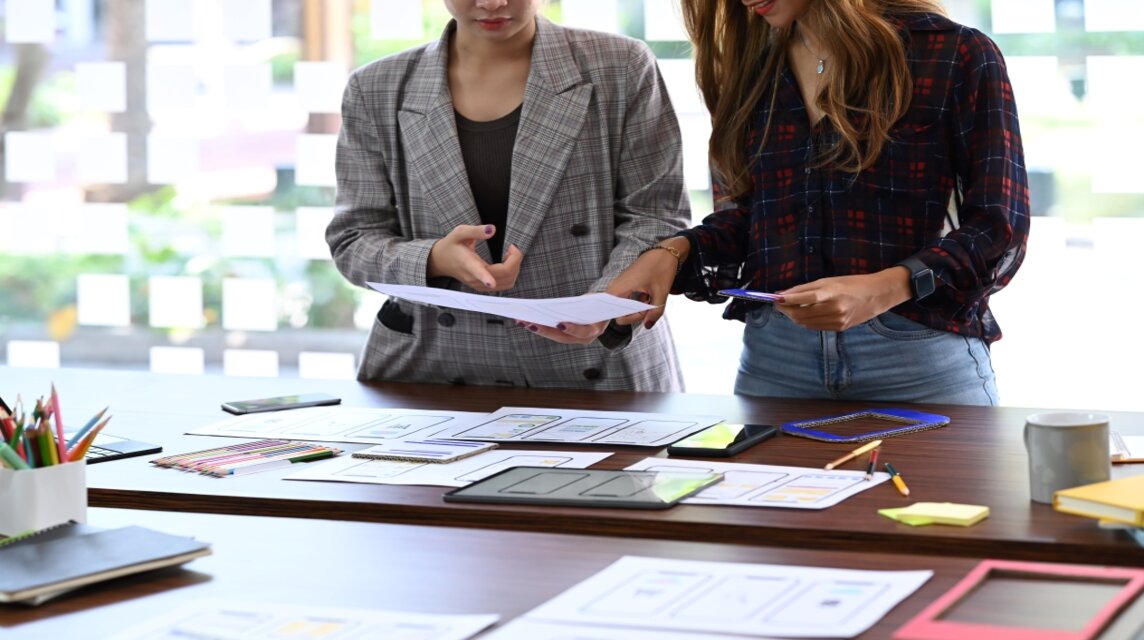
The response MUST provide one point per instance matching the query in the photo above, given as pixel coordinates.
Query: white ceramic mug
(1066, 449)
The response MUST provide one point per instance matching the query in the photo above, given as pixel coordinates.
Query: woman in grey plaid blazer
(432, 191)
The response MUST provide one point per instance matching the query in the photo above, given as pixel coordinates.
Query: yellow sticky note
(923, 513)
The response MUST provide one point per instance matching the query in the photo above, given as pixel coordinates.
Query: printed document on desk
(227, 619)
(340, 423)
(660, 594)
(764, 485)
(449, 474)
(585, 309)
(575, 426)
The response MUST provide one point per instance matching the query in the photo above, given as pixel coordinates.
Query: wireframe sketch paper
(764, 485)
(654, 594)
(450, 474)
(365, 425)
(585, 309)
(574, 426)
(227, 619)
(525, 629)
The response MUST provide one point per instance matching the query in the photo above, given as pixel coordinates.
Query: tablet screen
(585, 487)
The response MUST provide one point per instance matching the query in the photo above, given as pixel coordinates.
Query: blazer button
(458, 381)
(446, 319)
(579, 229)
(592, 373)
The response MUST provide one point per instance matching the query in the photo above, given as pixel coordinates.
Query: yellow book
(1120, 500)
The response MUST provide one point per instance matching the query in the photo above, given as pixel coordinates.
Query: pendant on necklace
(821, 67)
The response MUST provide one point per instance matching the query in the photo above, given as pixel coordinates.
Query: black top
(487, 150)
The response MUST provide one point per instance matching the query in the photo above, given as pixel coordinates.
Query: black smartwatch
(921, 277)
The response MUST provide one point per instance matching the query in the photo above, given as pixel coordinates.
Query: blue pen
(87, 427)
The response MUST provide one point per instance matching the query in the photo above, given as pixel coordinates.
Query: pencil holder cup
(32, 499)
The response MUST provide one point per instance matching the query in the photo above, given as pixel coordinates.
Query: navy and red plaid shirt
(800, 223)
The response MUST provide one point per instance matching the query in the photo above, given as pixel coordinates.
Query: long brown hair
(866, 87)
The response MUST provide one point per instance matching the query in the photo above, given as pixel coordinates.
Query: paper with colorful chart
(764, 485)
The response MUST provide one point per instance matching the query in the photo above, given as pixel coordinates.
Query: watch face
(923, 283)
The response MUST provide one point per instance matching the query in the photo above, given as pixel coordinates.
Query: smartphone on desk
(722, 440)
(279, 403)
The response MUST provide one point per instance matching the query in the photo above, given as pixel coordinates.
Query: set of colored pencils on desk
(247, 457)
(29, 442)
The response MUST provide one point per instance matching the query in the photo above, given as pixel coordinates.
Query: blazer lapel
(429, 127)
(555, 105)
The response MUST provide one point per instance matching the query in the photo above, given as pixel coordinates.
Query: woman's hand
(649, 279)
(567, 332)
(455, 256)
(836, 304)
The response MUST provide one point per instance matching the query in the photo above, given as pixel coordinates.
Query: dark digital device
(279, 403)
(722, 440)
(107, 447)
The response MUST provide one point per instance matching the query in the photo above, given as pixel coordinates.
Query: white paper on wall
(662, 21)
(169, 20)
(246, 86)
(29, 156)
(326, 366)
(171, 86)
(249, 304)
(314, 164)
(95, 228)
(186, 360)
(599, 15)
(175, 302)
(102, 86)
(103, 300)
(30, 21)
(311, 227)
(102, 159)
(396, 20)
(1113, 15)
(251, 363)
(248, 231)
(319, 86)
(1024, 16)
(171, 159)
(246, 20)
(40, 354)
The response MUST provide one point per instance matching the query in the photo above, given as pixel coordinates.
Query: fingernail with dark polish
(533, 328)
(489, 229)
(562, 326)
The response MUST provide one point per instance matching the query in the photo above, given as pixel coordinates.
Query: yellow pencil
(855, 453)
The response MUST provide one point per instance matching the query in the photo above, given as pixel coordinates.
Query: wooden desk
(978, 459)
(396, 567)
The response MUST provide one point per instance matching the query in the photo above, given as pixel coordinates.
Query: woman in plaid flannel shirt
(868, 166)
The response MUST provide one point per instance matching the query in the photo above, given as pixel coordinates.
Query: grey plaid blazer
(596, 177)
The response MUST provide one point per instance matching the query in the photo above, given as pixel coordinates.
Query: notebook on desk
(53, 561)
(1126, 448)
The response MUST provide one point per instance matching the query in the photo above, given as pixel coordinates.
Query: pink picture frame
(929, 625)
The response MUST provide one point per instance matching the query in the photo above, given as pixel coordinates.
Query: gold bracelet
(672, 250)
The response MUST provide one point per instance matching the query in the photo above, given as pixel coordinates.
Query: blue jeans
(888, 359)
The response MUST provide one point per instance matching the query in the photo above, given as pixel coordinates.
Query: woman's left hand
(838, 303)
(567, 332)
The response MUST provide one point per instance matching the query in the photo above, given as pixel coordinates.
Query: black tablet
(107, 447)
(585, 487)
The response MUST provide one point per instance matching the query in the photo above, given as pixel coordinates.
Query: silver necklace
(821, 61)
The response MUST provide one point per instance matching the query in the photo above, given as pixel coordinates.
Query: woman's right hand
(649, 279)
(455, 256)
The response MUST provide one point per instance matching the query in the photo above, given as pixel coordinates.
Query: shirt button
(810, 209)
(807, 171)
(592, 373)
(446, 320)
(810, 247)
(579, 229)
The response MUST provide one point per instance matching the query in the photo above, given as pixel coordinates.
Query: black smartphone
(722, 440)
(279, 403)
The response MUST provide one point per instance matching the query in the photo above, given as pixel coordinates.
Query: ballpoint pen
(855, 453)
(897, 479)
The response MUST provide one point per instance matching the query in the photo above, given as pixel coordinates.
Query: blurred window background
(168, 173)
